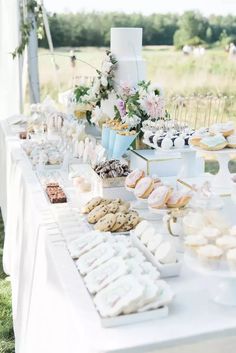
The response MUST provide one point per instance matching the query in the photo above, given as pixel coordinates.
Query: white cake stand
(225, 291)
(222, 182)
(188, 155)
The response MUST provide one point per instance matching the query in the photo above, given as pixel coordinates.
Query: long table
(52, 311)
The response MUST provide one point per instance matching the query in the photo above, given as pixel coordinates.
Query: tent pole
(33, 73)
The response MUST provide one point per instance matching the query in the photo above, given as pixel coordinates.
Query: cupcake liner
(121, 145)
(105, 136)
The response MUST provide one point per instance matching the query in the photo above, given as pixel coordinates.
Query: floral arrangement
(136, 105)
(88, 99)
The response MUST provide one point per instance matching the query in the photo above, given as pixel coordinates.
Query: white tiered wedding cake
(126, 46)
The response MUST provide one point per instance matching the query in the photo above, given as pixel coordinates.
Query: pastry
(231, 259)
(159, 197)
(232, 231)
(231, 141)
(210, 233)
(97, 213)
(89, 206)
(209, 255)
(226, 129)
(106, 223)
(226, 242)
(147, 235)
(140, 228)
(112, 169)
(132, 179)
(144, 187)
(193, 242)
(178, 199)
(153, 244)
(121, 219)
(213, 143)
(166, 253)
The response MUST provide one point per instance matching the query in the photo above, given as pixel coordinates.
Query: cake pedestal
(225, 291)
(222, 182)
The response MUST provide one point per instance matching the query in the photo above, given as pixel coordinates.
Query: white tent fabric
(10, 70)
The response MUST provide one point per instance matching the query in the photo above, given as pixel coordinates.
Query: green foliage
(80, 91)
(33, 18)
(93, 29)
(6, 330)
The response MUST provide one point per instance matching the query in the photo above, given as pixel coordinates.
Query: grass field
(6, 330)
(178, 74)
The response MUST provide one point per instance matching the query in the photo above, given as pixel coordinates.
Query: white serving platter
(166, 270)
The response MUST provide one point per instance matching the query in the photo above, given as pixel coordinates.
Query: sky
(146, 7)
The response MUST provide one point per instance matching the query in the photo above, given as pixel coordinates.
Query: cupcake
(232, 231)
(231, 259)
(209, 256)
(226, 242)
(193, 242)
(210, 233)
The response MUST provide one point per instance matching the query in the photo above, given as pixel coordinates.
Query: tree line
(93, 29)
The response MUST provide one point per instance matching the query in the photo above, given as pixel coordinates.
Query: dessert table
(52, 311)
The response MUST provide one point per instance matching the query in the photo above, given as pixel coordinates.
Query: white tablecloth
(51, 308)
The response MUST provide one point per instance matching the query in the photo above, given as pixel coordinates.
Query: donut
(178, 199)
(159, 196)
(133, 178)
(144, 187)
(213, 143)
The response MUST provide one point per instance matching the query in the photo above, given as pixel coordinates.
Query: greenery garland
(27, 24)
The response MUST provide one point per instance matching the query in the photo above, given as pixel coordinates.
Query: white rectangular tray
(168, 270)
(134, 318)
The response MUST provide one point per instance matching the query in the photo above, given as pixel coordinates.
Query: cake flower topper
(137, 105)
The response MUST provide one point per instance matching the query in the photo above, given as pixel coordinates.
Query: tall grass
(6, 330)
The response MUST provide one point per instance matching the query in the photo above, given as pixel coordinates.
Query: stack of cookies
(111, 215)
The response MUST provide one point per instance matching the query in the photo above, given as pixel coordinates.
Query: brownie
(55, 193)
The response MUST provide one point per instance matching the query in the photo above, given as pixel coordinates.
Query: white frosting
(210, 251)
(118, 295)
(179, 142)
(154, 242)
(158, 196)
(142, 186)
(166, 253)
(232, 230)
(195, 240)
(147, 235)
(212, 141)
(226, 242)
(231, 139)
(141, 227)
(166, 143)
(210, 233)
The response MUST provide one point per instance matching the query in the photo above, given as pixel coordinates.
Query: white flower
(95, 87)
(104, 81)
(155, 87)
(131, 121)
(98, 116)
(106, 67)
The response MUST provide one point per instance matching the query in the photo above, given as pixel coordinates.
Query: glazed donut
(159, 196)
(144, 187)
(132, 179)
(178, 199)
